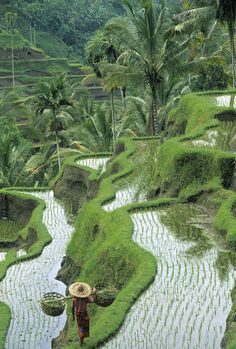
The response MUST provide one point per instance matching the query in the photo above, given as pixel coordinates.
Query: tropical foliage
(15, 151)
(51, 108)
(145, 60)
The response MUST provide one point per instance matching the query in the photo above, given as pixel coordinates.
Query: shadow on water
(183, 222)
(223, 264)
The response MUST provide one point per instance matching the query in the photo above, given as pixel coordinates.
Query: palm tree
(51, 106)
(11, 21)
(100, 48)
(96, 131)
(143, 35)
(148, 56)
(226, 13)
(13, 155)
(223, 11)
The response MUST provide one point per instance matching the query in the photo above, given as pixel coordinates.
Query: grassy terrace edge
(111, 245)
(200, 115)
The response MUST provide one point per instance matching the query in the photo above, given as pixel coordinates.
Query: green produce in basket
(53, 303)
(105, 294)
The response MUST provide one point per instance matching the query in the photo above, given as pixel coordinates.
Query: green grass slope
(103, 250)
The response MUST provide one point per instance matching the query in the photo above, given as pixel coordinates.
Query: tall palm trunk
(12, 60)
(231, 30)
(58, 151)
(34, 36)
(30, 32)
(57, 141)
(113, 119)
(122, 93)
(154, 111)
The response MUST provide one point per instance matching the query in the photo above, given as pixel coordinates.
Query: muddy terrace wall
(15, 208)
(74, 187)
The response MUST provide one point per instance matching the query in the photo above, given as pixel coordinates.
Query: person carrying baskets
(82, 295)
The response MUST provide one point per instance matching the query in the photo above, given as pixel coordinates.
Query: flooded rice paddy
(124, 197)
(2, 256)
(184, 308)
(26, 282)
(222, 137)
(226, 101)
(187, 305)
(95, 163)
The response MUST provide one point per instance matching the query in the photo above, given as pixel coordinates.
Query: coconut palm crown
(50, 106)
(148, 55)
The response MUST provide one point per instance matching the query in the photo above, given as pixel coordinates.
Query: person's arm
(73, 309)
(92, 298)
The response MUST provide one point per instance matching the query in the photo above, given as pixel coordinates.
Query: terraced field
(223, 136)
(26, 282)
(187, 305)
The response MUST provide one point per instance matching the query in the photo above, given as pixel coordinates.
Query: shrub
(213, 78)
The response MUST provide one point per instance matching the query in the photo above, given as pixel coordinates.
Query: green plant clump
(180, 166)
(9, 230)
(212, 78)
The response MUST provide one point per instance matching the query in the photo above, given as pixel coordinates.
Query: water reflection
(187, 223)
(226, 101)
(187, 304)
(223, 137)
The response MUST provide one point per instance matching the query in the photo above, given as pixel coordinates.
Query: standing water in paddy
(187, 304)
(26, 282)
(95, 163)
(222, 137)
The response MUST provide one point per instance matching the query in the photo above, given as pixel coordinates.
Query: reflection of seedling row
(123, 197)
(25, 283)
(187, 304)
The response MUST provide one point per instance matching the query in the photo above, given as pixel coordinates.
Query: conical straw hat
(80, 290)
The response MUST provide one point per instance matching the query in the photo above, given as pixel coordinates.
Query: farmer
(82, 295)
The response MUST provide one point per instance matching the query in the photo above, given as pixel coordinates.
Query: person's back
(82, 296)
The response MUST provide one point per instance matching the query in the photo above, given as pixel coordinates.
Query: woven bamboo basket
(53, 303)
(105, 294)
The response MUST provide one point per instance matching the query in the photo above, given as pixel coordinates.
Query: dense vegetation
(68, 23)
(136, 71)
(75, 77)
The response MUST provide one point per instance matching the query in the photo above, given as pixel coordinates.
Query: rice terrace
(118, 174)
